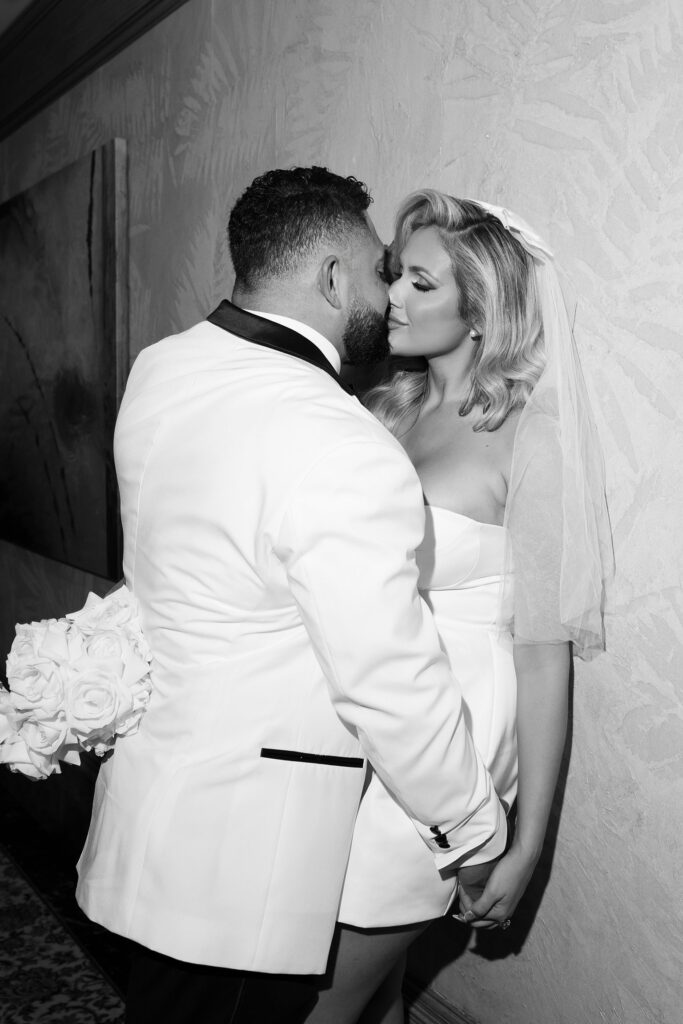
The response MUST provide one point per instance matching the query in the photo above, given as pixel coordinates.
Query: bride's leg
(360, 961)
(386, 1006)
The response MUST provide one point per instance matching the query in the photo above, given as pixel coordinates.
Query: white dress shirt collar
(319, 340)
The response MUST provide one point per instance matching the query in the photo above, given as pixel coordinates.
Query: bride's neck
(449, 376)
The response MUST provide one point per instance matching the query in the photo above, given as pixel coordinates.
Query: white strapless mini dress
(391, 877)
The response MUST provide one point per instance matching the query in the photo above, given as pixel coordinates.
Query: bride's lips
(394, 323)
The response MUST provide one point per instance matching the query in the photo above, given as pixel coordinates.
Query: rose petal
(55, 644)
(16, 755)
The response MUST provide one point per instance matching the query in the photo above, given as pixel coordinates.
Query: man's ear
(330, 281)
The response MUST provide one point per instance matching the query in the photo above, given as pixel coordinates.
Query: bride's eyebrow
(414, 269)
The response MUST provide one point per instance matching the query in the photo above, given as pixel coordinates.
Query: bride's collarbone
(453, 440)
(463, 470)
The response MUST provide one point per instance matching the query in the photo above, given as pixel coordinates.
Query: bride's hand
(502, 893)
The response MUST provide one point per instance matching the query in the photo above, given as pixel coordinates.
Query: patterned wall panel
(570, 114)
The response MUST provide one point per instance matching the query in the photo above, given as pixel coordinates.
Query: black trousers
(166, 991)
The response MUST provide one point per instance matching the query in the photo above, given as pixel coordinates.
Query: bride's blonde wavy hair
(496, 281)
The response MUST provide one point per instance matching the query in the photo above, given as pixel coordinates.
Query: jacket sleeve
(347, 540)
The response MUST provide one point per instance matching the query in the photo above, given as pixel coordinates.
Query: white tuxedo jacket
(269, 529)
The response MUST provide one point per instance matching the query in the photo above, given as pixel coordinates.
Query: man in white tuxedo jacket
(270, 524)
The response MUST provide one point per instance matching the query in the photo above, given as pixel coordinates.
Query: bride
(512, 565)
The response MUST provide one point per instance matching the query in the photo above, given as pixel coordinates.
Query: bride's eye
(421, 287)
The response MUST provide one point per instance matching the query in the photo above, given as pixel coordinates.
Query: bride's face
(424, 319)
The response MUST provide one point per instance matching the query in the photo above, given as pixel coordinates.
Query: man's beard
(366, 336)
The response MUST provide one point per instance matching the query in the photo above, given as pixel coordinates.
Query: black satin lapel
(271, 335)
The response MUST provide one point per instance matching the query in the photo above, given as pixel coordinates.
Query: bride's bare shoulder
(505, 442)
(504, 435)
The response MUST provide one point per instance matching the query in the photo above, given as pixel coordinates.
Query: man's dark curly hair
(284, 215)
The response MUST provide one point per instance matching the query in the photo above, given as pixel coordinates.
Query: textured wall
(569, 113)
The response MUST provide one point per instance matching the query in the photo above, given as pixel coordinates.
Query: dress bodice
(462, 564)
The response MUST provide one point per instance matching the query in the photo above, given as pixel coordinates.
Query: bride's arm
(542, 697)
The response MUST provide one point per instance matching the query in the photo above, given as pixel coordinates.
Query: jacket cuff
(461, 846)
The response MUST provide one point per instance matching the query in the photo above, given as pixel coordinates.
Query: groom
(269, 526)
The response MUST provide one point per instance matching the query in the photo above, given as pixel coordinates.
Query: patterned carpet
(48, 970)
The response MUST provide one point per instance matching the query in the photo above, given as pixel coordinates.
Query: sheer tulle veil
(559, 540)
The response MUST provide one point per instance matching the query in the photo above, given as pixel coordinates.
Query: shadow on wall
(447, 940)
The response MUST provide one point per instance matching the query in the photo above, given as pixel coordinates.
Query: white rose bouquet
(74, 683)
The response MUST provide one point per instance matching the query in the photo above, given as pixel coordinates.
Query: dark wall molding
(54, 44)
(425, 1006)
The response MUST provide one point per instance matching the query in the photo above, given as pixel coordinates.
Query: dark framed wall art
(64, 360)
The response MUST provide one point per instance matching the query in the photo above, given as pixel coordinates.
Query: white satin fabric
(461, 565)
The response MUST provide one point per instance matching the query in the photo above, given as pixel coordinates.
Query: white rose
(35, 749)
(44, 737)
(109, 613)
(8, 716)
(138, 641)
(129, 720)
(54, 643)
(94, 700)
(15, 754)
(105, 644)
(37, 689)
(25, 646)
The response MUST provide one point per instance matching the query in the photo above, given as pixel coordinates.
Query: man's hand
(491, 904)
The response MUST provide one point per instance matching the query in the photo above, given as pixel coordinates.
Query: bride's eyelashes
(420, 285)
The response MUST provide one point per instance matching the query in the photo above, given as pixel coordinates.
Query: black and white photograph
(340, 498)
